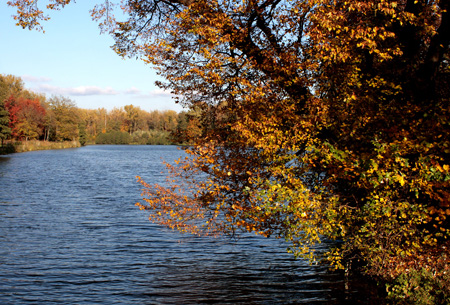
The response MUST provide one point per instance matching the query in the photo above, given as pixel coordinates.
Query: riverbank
(23, 146)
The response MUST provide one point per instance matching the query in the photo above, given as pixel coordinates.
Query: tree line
(27, 115)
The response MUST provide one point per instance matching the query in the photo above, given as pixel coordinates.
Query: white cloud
(77, 91)
(44, 85)
(35, 79)
(132, 90)
(91, 90)
(157, 93)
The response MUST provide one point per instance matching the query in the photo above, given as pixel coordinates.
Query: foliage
(113, 137)
(319, 119)
(13, 109)
(34, 145)
(11, 86)
(4, 89)
(64, 119)
(189, 127)
(155, 125)
(5, 130)
(29, 115)
(26, 117)
(420, 286)
(82, 133)
(132, 115)
(152, 137)
(7, 149)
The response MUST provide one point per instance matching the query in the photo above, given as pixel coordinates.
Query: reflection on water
(70, 234)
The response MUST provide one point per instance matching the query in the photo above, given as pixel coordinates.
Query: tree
(10, 89)
(25, 108)
(117, 121)
(113, 137)
(188, 127)
(14, 86)
(5, 130)
(26, 117)
(169, 118)
(13, 109)
(321, 119)
(82, 133)
(31, 119)
(4, 89)
(93, 122)
(132, 117)
(154, 120)
(64, 119)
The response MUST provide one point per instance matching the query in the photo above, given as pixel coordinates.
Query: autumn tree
(5, 130)
(13, 109)
(326, 119)
(11, 88)
(154, 120)
(4, 89)
(31, 119)
(26, 108)
(26, 117)
(82, 138)
(12, 85)
(321, 119)
(134, 118)
(65, 119)
(189, 127)
(94, 121)
(117, 120)
(169, 120)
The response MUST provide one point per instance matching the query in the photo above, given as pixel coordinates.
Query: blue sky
(72, 59)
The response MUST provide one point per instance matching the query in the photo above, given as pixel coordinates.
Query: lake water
(71, 234)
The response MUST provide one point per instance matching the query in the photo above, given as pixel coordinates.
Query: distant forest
(27, 115)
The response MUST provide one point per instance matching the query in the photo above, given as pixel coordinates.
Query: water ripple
(70, 234)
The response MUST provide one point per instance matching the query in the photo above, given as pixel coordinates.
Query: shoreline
(34, 145)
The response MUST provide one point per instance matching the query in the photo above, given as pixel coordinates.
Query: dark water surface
(70, 234)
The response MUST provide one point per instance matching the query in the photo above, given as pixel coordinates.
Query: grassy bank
(33, 145)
